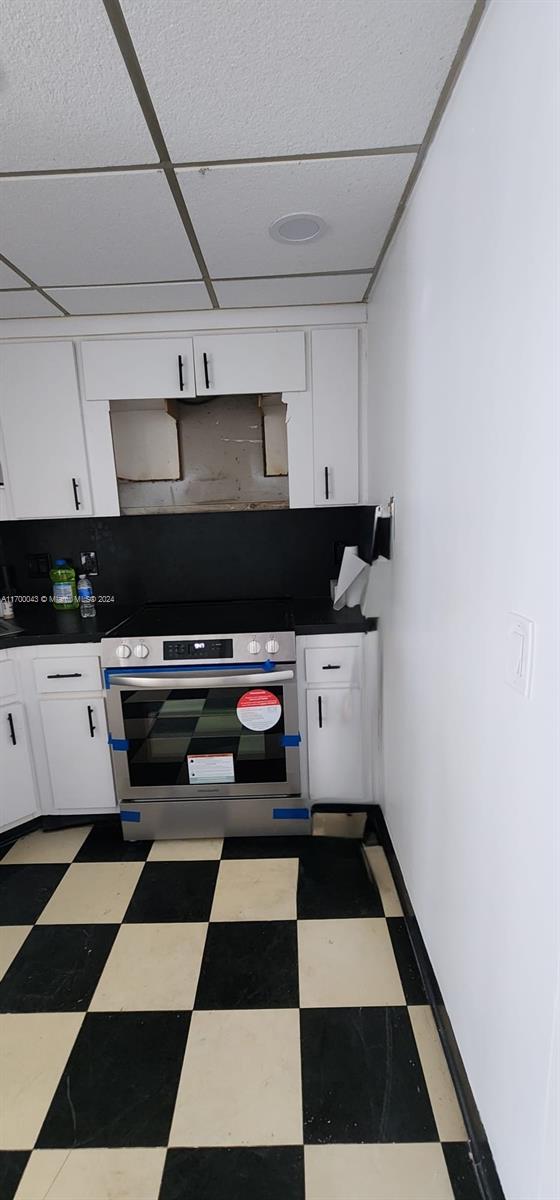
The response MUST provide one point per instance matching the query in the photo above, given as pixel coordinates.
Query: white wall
(462, 403)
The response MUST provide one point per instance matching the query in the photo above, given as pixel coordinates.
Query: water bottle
(85, 596)
(63, 578)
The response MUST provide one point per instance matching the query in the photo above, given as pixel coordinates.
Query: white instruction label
(259, 709)
(211, 768)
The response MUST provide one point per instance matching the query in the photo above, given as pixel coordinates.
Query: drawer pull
(320, 710)
(13, 738)
(331, 667)
(181, 381)
(66, 675)
(92, 727)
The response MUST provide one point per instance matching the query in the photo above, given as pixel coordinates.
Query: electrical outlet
(88, 562)
(38, 566)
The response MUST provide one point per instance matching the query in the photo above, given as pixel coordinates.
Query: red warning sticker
(259, 709)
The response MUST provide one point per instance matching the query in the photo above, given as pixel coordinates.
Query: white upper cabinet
(44, 454)
(335, 382)
(138, 369)
(241, 363)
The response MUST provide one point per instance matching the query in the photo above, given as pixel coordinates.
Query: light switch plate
(519, 649)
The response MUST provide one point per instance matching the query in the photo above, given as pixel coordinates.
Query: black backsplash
(194, 556)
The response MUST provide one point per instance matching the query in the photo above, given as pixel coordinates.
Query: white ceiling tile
(314, 289)
(232, 209)
(150, 297)
(84, 229)
(9, 278)
(67, 100)
(238, 79)
(26, 304)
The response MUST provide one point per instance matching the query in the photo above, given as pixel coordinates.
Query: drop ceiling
(148, 146)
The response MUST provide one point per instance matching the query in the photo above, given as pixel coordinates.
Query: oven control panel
(199, 648)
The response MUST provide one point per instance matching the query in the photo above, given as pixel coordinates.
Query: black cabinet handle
(67, 675)
(331, 667)
(320, 711)
(12, 730)
(77, 500)
(326, 483)
(181, 382)
(206, 376)
(90, 719)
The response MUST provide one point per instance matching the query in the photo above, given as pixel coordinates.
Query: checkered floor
(208, 1021)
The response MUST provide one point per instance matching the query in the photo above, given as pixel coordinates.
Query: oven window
(166, 727)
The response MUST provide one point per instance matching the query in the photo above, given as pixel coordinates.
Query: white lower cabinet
(335, 743)
(18, 797)
(78, 754)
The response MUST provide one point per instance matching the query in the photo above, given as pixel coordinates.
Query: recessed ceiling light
(297, 228)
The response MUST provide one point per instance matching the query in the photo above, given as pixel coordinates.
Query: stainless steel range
(203, 723)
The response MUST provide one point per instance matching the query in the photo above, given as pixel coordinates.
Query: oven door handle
(189, 681)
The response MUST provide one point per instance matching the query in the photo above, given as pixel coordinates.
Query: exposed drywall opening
(222, 454)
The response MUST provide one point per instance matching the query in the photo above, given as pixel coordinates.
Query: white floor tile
(436, 1073)
(382, 874)
(186, 850)
(256, 889)
(241, 1080)
(55, 846)
(399, 1171)
(92, 893)
(34, 1048)
(347, 963)
(123, 1174)
(151, 968)
(12, 938)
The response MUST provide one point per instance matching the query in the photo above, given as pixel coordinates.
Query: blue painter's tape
(290, 814)
(290, 739)
(118, 743)
(129, 815)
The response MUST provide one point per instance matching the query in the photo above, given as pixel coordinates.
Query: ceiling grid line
(130, 58)
(435, 121)
(32, 285)
(263, 160)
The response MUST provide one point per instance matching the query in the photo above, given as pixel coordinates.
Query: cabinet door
(18, 799)
(335, 371)
(138, 369)
(334, 744)
(238, 363)
(78, 753)
(41, 421)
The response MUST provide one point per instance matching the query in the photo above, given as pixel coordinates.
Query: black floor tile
(249, 964)
(119, 1085)
(263, 847)
(173, 891)
(362, 1080)
(12, 1166)
(239, 1173)
(334, 882)
(57, 968)
(411, 978)
(106, 844)
(461, 1171)
(25, 890)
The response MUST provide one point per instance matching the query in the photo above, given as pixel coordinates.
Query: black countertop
(41, 624)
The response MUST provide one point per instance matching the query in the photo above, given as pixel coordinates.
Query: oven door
(190, 732)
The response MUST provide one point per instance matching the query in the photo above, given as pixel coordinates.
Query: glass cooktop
(229, 616)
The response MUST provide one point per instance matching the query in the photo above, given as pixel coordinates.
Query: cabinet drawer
(8, 681)
(67, 674)
(339, 665)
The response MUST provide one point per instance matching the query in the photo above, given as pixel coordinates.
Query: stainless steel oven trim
(291, 787)
(194, 681)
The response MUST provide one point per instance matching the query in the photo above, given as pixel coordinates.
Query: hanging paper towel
(352, 579)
